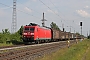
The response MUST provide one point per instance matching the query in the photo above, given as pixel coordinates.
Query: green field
(80, 51)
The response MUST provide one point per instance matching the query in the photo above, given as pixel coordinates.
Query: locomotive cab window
(29, 29)
(26, 28)
(32, 29)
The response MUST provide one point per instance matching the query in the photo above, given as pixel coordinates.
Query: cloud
(83, 13)
(50, 11)
(86, 7)
(27, 9)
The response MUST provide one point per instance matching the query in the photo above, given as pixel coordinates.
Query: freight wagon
(56, 34)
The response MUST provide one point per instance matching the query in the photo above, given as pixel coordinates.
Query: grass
(80, 51)
(4, 44)
(10, 43)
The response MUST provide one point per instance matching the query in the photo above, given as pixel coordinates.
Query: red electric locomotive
(35, 33)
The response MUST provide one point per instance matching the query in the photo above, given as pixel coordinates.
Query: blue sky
(62, 12)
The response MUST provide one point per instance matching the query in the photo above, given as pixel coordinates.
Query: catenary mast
(43, 21)
(14, 18)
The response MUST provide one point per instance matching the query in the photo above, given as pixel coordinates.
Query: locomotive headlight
(32, 33)
(24, 33)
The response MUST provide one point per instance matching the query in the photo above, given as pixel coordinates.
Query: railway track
(22, 46)
(31, 53)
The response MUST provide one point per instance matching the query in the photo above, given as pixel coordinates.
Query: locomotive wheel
(37, 42)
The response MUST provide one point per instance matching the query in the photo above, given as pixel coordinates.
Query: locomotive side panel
(43, 33)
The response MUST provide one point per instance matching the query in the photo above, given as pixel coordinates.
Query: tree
(20, 30)
(4, 36)
(16, 37)
(88, 37)
(5, 31)
(54, 26)
(77, 33)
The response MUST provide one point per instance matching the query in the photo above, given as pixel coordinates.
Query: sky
(65, 13)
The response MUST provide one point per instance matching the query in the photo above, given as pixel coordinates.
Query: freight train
(35, 33)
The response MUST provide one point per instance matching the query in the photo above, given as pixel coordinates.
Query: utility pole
(87, 34)
(43, 21)
(14, 18)
(74, 30)
(70, 28)
(63, 27)
(81, 30)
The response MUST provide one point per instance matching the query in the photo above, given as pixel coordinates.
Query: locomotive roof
(34, 24)
(45, 27)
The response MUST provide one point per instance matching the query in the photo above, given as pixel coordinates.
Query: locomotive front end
(28, 34)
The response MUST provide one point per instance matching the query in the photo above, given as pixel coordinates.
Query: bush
(7, 37)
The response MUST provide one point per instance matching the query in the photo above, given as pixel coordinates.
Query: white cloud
(27, 9)
(87, 6)
(83, 13)
(50, 11)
